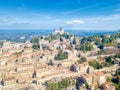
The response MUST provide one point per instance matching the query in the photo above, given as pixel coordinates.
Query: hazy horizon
(10, 29)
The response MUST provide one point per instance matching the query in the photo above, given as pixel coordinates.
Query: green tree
(35, 46)
(118, 79)
(83, 59)
(51, 62)
(95, 64)
(60, 85)
(74, 41)
(35, 39)
(61, 55)
(118, 72)
(117, 55)
(86, 47)
(86, 85)
(108, 79)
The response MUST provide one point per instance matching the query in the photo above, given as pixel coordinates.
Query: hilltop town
(61, 61)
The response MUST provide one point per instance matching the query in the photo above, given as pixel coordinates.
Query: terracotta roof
(28, 49)
(99, 73)
(9, 78)
(108, 84)
(84, 64)
(87, 75)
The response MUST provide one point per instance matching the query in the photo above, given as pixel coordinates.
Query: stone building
(9, 81)
(108, 86)
(82, 68)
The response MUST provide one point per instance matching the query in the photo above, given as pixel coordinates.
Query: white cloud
(75, 22)
(3, 20)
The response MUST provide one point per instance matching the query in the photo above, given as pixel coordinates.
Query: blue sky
(70, 14)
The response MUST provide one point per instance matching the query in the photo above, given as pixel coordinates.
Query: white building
(43, 43)
(61, 31)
